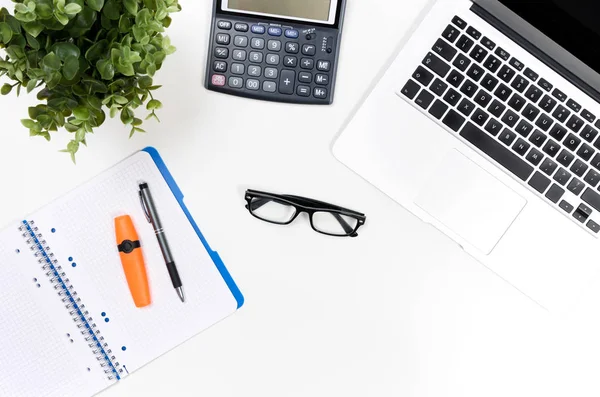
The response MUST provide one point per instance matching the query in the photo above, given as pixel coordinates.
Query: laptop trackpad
(470, 201)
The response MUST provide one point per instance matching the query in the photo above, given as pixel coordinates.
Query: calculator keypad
(270, 62)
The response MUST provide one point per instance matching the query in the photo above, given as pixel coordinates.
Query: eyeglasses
(283, 209)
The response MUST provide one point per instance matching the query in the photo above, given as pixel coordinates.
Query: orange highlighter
(132, 259)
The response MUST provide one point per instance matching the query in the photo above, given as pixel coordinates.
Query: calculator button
(292, 33)
(240, 41)
(239, 55)
(258, 29)
(272, 59)
(218, 80)
(307, 63)
(257, 43)
(256, 57)
(221, 52)
(271, 73)
(320, 93)
(275, 31)
(323, 66)
(291, 48)
(220, 66)
(252, 84)
(269, 86)
(225, 25)
(309, 49)
(274, 45)
(223, 38)
(305, 77)
(290, 62)
(254, 70)
(236, 82)
(286, 82)
(303, 90)
(322, 79)
(241, 27)
(238, 68)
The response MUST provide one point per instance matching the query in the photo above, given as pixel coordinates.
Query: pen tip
(181, 294)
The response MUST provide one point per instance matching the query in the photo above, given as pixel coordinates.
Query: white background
(398, 311)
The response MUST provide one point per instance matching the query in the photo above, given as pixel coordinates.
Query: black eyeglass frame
(309, 206)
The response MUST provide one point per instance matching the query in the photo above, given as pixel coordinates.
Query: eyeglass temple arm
(347, 228)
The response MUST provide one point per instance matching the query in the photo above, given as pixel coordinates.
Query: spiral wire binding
(81, 317)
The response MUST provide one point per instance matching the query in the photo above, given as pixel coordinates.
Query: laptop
(486, 126)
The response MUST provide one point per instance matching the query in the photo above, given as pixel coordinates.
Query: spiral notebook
(68, 324)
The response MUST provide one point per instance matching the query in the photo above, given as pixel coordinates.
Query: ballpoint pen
(153, 218)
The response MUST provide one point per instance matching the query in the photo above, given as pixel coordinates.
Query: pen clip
(144, 208)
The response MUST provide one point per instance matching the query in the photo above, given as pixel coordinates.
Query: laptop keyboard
(514, 116)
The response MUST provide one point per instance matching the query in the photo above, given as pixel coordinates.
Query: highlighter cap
(125, 230)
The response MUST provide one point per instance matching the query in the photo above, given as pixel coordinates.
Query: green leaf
(83, 22)
(65, 50)
(70, 68)
(60, 17)
(21, 8)
(44, 9)
(51, 61)
(31, 85)
(70, 127)
(27, 123)
(33, 28)
(112, 10)
(126, 116)
(95, 5)
(81, 113)
(154, 104)
(96, 51)
(106, 69)
(131, 6)
(121, 100)
(6, 32)
(145, 82)
(6, 89)
(72, 9)
(113, 111)
(80, 134)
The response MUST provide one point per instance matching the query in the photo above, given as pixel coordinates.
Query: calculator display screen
(322, 11)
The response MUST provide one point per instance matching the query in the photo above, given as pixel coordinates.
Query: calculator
(275, 50)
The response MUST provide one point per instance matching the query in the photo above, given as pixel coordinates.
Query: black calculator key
(548, 166)
(453, 120)
(452, 97)
(221, 52)
(321, 79)
(574, 105)
(493, 127)
(489, 44)
(562, 176)
(506, 73)
(438, 87)
(256, 57)
(223, 38)
(530, 112)
(455, 78)
(558, 132)
(596, 161)
(575, 123)
(547, 103)
(241, 27)
(521, 147)
(565, 158)
(589, 133)
(272, 59)
(461, 62)
(252, 84)
(269, 86)
(451, 33)
(572, 142)
(323, 66)
(537, 138)
(503, 92)
(434, 63)
(320, 92)
(492, 63)
(438, 109)
(242, 41)
(424, 99)
(558, 94)
(478, 53)
(568, 208)
(496, 108)
(585, 152)
(475, 72)
(483, 98)
(464, 43)
(423, 76)
(239, 55)
(292, 48)
(592, 198)
(306, 77)
(254, 70)
(588, 115)
(496, 151)
(236, 82)
(561, 113)
(545, 84)
(555, 193)
(468, 88)
(286, 81)
(309, 49)
(220, 66)
(303, 90)
(593, 226)
(307, 63)
(480, 117)
(444, 49)
(544, 122)
(551, 148)
(466, 107)
(539, 182)
(225, 25)
(534, 156)
(576, 186)
(592, 178)
(291, 62)
(516, 102)
(502, 53)
(257, 43)
(459, 22)
(520, 83)
(531, 74)
(238, 68)
(533, 94)
(474, 33)
(510, 118)
(524, 128)
(515, 63)
(579, 168)
(489, 82)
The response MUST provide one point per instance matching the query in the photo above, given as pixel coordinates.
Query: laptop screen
(573, 24)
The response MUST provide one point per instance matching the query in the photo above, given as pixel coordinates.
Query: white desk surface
(398, 311)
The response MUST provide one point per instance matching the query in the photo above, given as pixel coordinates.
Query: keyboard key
(544, 122)
(489, 82)
(478, 53)
(468, 88)
(423, 76)
(503, 92)
(507, 137)
(516, 102)
(530, 74)
(483, 98)
(588, 115)
(562, 176)
(530, 112)
(489, 44)
(593, 226)
(561, 113)
(539, 182)
(574, 105)
(455, 78)
(480, 117)
(572, 142)
(474, 33)
(534, 156)
(410, 89)
(597, 143)
(565, 158)
(548, 167)
(592, 198)
(434, 63)
(579, 168)
(438, 109)
(558, 94)
(466, 107)
(588, 133)
(521, 147)
(424, 99)
(585, 152)
(555, 193)
(575, 123)
(597, 124)
(515, 63)
(499, 153)
(568, 208)
(492, 63)
(520, 83)
(496, 108)
(475, 72)
(453, 120)
(452, 97)
(464, 43)
(533, 94)
(596, 161)
(444, 49)
(493, 127)
(547, 103)
(537, 138)
(545, 84)
(524, 128)
(582, 213)
(551, 148)
(506, 73)
(461, 62)
(438, 87)
(459, 22)
(510, 118)
(451, 33)
(502, 53)
(558, 132)
(592, 178)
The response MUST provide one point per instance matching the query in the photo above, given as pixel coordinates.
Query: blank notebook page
(79, 231)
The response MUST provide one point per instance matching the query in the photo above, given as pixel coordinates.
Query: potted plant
(86, 58)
